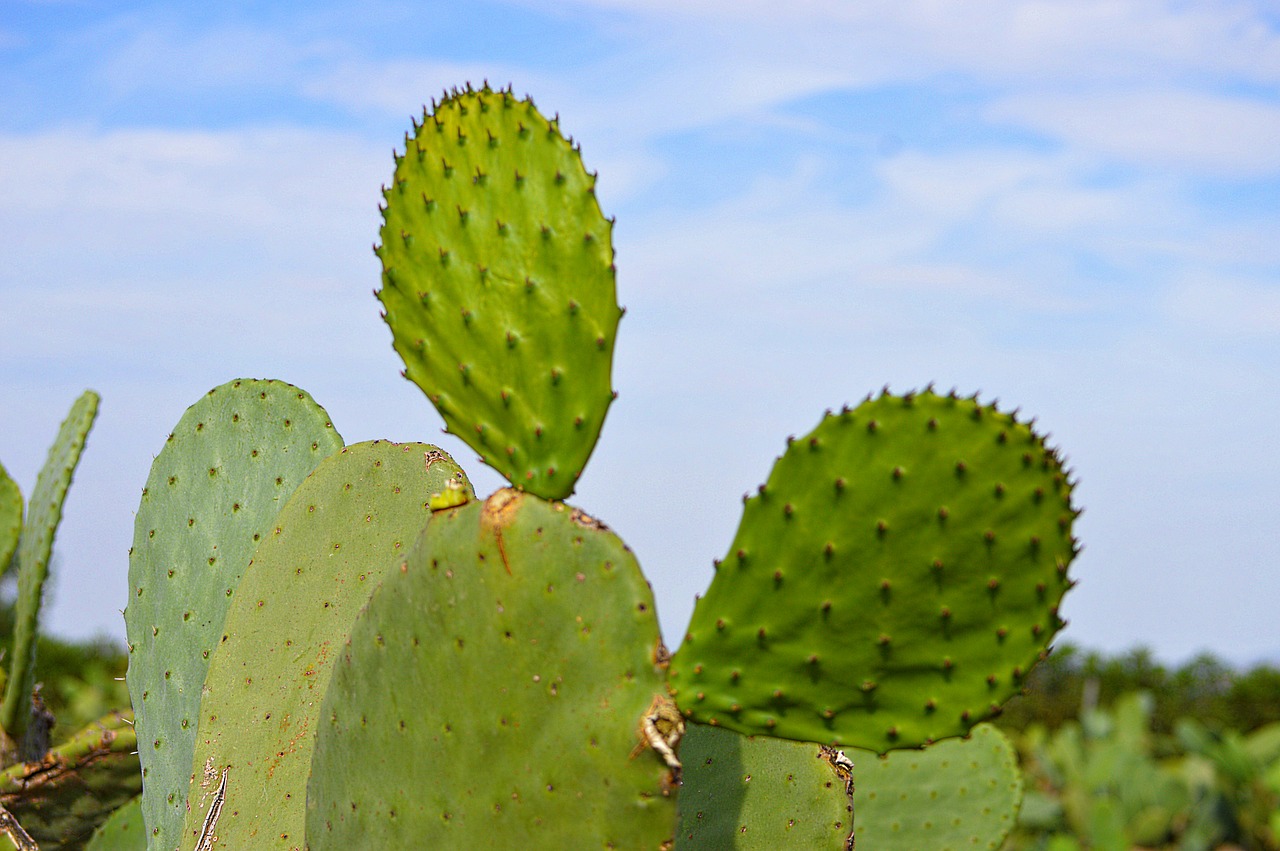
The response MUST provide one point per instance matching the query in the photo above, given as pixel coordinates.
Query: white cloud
(91, 196)
(1011, 40)
(1238, 309)
(1223, 135)
(1008, 40)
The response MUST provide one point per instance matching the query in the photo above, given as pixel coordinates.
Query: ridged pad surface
(957, 795)
(890, 585)
(347, 524)
(492, 694)
(758, 793)
(224, 473)
(498, 286)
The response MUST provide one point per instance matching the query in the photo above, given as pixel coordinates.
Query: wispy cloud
(1193, 131)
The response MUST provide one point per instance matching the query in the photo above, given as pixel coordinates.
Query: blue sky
(1073, 206)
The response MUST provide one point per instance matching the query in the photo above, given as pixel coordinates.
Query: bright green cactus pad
(758, 793)
(347, 524)
(493, 693)
(35, 546)
(124, 831)
(10, 518)
(890, 585)
(957, 794)
(230, 464)
(498, 286)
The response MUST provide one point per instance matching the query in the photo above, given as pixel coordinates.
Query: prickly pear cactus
(10, 518)
(498, 285)
(124, 831)
(890, 584)
(758, 793)
(496, 693)
(957, 794)
(345, 526)
(232, 460)
(35, 546)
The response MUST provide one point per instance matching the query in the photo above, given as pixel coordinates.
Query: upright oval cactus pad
(347, 524)
(224, 473)
(758, 793)
(498, 285)
(495, 694)
(890, 584)
(958, 794)
(35, 546)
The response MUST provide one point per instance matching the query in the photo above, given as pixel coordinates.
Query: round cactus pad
(892, 582)
(954, 795)
(224, 473)
(758, 793)
(498, 286)
(345, 526)
(494, 692)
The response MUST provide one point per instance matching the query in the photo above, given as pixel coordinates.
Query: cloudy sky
(1073, 206)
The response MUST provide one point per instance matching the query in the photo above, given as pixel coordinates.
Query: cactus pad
(890, 585)
(958, 794)
(10, 518)
(347, 524)
(494, 691)
(498, 285)
(743, 793)
(232, 460)
(35, 545)
(124, 831)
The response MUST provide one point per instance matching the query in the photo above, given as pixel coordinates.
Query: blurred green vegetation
(1205, 689)
(1123, 753)
(79, 681)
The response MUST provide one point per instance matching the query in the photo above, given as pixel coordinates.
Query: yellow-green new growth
(498, 285)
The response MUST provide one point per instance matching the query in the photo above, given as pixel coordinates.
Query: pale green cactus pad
(345, 526)
(757, 793)
(225, 471)
(495, 692)
(890, 585)
(10, 518)
(498, 285)
(957, 795)
(35, 546)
